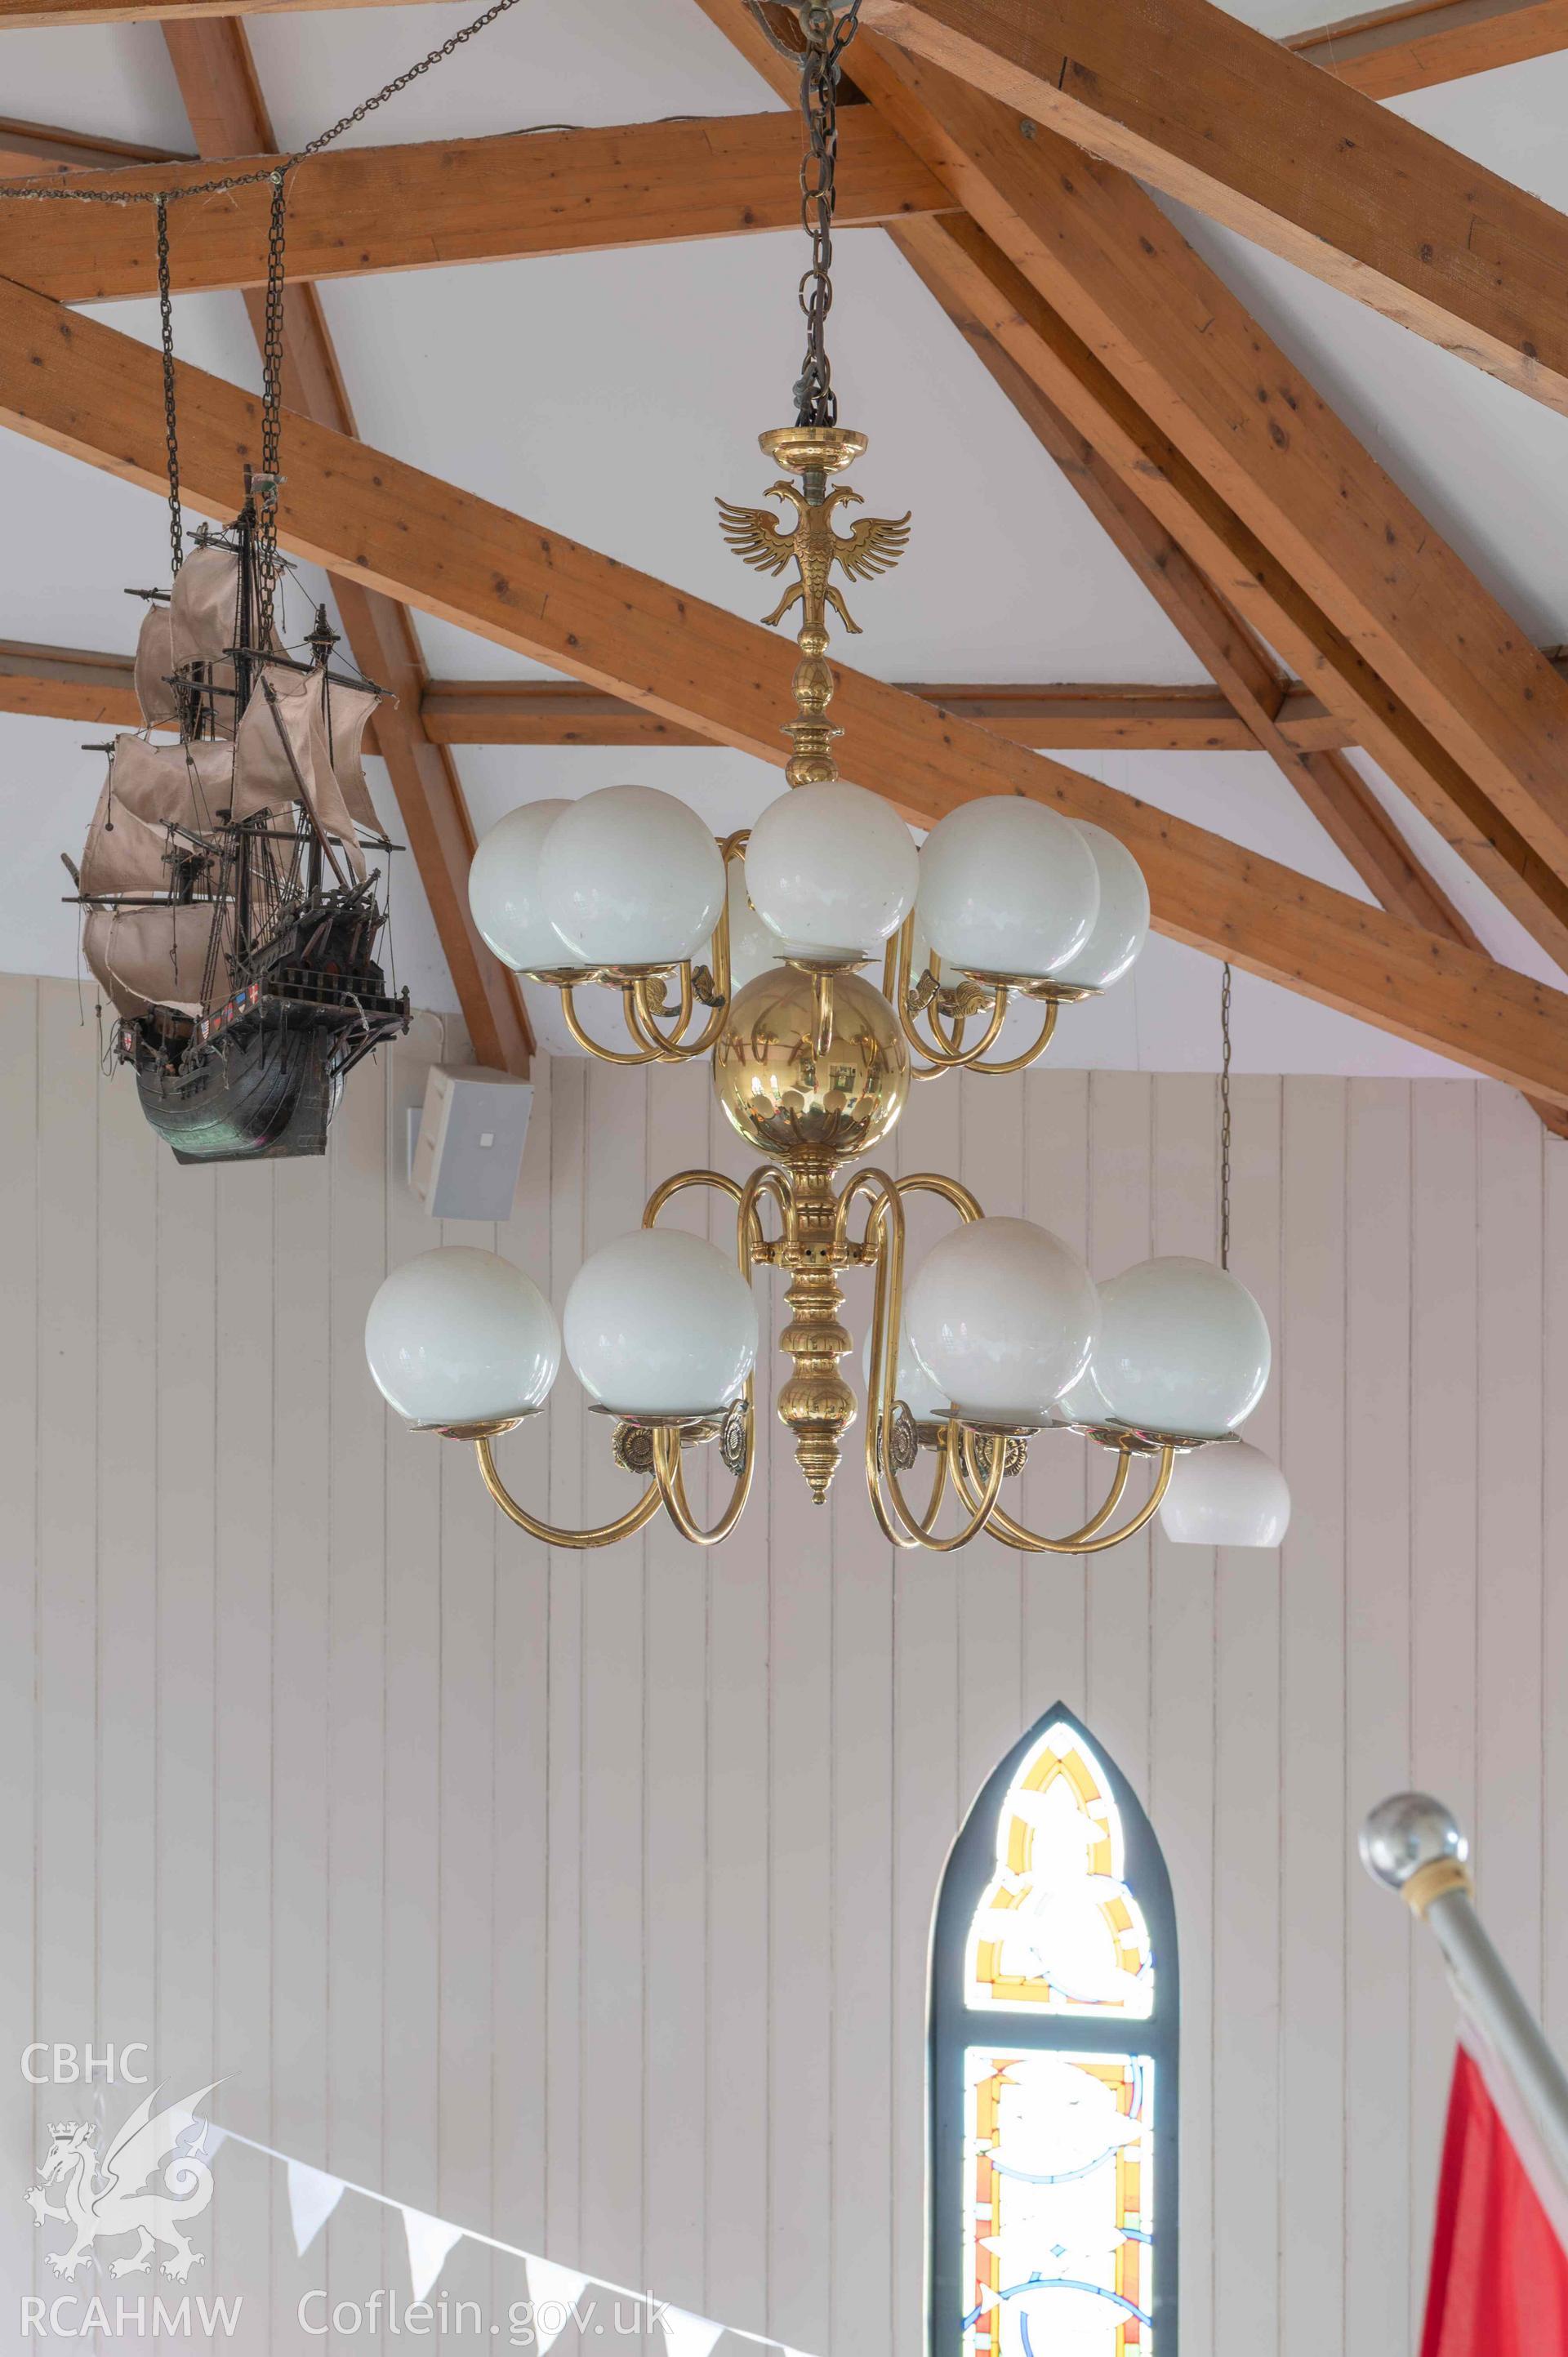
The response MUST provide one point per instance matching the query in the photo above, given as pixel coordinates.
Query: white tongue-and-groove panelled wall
(586, 1899)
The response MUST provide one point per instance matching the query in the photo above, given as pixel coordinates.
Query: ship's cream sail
(282, 756)
(124, 854)
(346, 713)
(168, 821)
(204, 625)
(160, 953)
(174, 785)
(156, 691)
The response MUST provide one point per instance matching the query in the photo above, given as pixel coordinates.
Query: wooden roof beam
(1388, 51)
(1198, 104)
(1258, 690)
(1080, 277)
(31, 149)
(18, 15)
(1065, 717)
(354, 211)
(1261, 694)
(61, 684)
(1091, 716)
(80, 387)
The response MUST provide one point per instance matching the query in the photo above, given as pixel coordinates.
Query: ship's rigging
(229, 914)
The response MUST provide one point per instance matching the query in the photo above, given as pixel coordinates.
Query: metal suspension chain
(1225, 1116)
(48, 192)
(166, 320)
(267, 479)
(828, 33)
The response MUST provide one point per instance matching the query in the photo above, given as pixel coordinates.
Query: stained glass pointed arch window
(1053, 2066)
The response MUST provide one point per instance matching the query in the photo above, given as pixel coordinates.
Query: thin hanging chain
(47, 192)
(171, 435)
(828, 35)
(267, 481)
(1225, 1117)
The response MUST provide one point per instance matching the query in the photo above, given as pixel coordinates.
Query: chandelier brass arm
(636, 1517)
(642, 1054)
(885, 1240)
(972, 1457)
(947, 1009)
(1092, 1537)
(673, 1485)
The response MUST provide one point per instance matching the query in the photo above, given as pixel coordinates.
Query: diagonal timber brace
(84, 389)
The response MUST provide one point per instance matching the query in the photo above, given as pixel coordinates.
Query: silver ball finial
(1407, 1832)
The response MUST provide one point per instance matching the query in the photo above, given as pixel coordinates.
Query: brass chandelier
(749, 952)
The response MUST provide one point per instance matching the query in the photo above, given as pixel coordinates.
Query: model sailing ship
(230, 917)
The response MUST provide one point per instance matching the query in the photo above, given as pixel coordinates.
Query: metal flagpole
(1412, 1844)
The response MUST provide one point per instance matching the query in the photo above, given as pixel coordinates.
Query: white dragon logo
(102, 2199)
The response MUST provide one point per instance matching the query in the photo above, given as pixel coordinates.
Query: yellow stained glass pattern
(1058, 2190)
(1058, 1930)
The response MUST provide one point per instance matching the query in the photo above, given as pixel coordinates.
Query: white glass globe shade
(1231, 1497)
(752, 948)
(503, 889)
(1083, 1402)
(1001, 1316)
(1007, 887)
(659, 1323)
(461, 1337)
(919, 1395)
(631, 876)
(1184, 1349)
(1121, 927)
(832, 870)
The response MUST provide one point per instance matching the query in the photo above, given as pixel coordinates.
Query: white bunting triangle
(429, 2240)
(686, 2335)
(312, 2198)
(553, 2292)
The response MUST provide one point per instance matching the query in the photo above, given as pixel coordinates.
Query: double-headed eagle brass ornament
(872, 545)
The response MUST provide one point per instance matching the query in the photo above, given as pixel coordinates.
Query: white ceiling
(612, 395)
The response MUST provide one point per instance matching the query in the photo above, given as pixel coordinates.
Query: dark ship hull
(246, 1099)
(261, 1076)
(260, 1079)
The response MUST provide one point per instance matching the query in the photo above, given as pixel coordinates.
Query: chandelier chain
(55, 192)
(1225, 1115)
(827, 35)
(270, 479)
(166, 322)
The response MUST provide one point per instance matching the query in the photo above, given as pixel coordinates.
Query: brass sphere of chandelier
(747, 952)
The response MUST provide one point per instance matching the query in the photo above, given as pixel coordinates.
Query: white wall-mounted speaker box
(465, 1147)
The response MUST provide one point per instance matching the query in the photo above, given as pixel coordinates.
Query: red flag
(1499, 2269)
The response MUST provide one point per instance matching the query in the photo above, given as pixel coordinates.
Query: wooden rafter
(1080, 277)
(1198, 104)
(227, 115)
(1258, 687)
(16, 16)
(34, 149)
(1388, 51)
(68, 683)
(1254, 683)
(358, 211)
(1068, 718)
(78, 386)
(61, 684)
